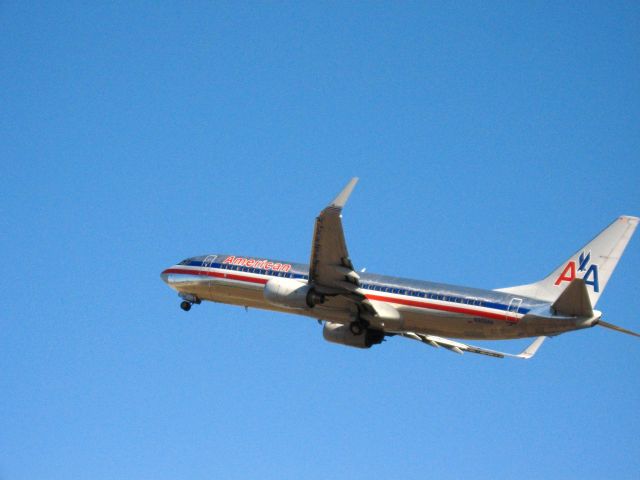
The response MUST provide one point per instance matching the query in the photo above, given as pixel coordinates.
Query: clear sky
(492, 141)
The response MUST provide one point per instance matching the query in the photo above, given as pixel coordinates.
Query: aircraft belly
(480, 328)
(192, 286)
(253, 297)
(240, 294)
(446, 325)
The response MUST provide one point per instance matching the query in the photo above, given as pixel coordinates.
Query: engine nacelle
(338, 333)
(289, 293)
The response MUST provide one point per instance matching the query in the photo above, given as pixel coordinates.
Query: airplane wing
(331, 273)
(330, 269)
(460, 348)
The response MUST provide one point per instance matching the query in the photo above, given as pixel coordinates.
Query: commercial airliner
(360, 309)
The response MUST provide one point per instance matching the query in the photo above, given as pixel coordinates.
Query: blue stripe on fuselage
(373, 287)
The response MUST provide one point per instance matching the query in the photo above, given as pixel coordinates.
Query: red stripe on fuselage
(400, 301)
(444, 308)
(208, 273)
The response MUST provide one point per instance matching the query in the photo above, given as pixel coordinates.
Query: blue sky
(492, 141)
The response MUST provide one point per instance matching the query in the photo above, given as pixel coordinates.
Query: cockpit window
(185, 262)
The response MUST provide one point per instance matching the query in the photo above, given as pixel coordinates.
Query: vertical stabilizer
(574, 300)
(594, 263)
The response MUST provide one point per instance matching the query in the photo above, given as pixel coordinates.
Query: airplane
(360, 309)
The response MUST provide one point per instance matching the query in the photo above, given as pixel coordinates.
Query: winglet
(531, 350)
(343, 196)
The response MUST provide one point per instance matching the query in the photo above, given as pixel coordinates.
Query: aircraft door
(512, 311)
(207, 263)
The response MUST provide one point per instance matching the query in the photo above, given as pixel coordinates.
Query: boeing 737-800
(361, 309)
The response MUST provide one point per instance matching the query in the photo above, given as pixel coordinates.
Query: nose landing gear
(187, 301)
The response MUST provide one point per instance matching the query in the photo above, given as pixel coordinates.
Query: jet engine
(338, 333)
(289, 293)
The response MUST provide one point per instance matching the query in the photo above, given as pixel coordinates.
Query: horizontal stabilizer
(574, 300)
(617, 328)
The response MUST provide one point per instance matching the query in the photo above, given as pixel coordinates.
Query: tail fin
(594, 263)
(574, 301)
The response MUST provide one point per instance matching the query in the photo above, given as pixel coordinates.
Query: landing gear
(370, 336)
(314, 298)
(187, 300)
(358, 327)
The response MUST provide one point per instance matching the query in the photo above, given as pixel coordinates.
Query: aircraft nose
(165, 276)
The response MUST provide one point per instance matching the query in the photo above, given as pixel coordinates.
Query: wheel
(186, 306)
(356, 328)
(314, 298)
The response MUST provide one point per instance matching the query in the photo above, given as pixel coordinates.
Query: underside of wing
(330, 269)
(460, 348)
(331, 272)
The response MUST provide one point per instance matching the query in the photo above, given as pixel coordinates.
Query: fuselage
(425, 307)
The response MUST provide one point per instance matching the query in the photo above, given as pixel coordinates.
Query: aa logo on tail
(590, 275)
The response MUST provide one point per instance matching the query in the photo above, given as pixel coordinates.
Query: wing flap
(460, 348)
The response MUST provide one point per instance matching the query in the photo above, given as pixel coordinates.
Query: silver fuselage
(425, 307)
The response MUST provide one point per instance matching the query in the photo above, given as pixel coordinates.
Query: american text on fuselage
(423, 306)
